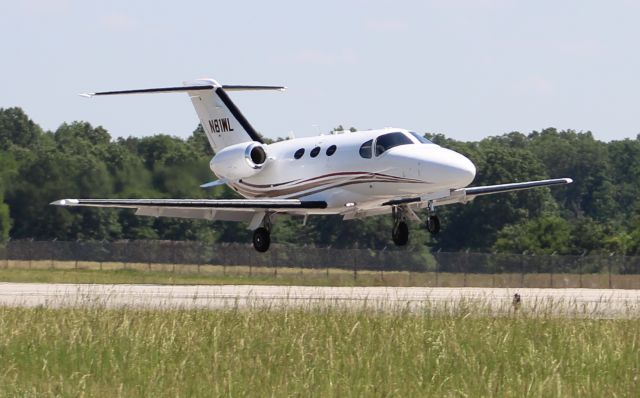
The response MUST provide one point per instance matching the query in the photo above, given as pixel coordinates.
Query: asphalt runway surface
(595, 303)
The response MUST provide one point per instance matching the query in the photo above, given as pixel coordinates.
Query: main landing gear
(261, 239)
(400, 232)
(262, 235)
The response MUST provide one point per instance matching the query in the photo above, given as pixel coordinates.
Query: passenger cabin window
(314, 152)
(299, 153)
(365, 149)
(420, 138)
(388, 141)
(331, 150)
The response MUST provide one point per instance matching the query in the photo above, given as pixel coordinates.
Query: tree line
(598, 213)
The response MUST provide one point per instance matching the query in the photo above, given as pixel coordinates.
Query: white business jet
(359, 174)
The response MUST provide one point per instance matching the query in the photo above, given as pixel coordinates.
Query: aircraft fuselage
(336, 169)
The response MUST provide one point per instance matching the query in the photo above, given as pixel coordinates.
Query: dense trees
(600, 212)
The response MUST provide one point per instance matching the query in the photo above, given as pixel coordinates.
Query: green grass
(234, 277)
(94, 272)
(322, 352)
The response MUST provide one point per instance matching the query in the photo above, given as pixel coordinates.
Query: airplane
(356, 175)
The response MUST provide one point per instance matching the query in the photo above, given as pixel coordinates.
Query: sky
(467, 69)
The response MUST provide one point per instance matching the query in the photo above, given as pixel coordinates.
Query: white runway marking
(600, 303)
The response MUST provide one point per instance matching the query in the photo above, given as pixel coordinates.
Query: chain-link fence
(391, 267)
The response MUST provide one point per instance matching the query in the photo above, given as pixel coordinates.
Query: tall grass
(321, 352)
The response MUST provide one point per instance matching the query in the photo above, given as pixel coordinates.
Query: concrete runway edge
(590, 303)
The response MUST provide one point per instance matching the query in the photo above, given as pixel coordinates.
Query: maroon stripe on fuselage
(298, 183)
(299, 191)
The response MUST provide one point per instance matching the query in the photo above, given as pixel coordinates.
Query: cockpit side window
(388, 141)
(420, 138)
(365, 149)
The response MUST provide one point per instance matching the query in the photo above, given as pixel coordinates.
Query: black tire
(433, 225)
(261, 239)
(400, 234)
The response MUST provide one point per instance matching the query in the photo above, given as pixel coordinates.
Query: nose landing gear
(400, 231)
(433, 222)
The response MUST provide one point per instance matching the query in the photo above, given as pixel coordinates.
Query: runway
(596, 303)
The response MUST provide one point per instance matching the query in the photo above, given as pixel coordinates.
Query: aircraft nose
(452, 168)
(464, 169)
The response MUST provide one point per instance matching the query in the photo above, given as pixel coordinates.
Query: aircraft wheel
(261, 239)
(433, 224)
(400, 234)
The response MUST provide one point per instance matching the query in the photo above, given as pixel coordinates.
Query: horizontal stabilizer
(179, 89)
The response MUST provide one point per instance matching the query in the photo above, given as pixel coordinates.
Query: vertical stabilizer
(221, 119)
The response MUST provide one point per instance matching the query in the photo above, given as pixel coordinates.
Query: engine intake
(239, 161)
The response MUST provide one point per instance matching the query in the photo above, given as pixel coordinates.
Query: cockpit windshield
(420, 138)
(388, 141)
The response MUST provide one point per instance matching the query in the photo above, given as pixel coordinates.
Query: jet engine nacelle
(239, 161)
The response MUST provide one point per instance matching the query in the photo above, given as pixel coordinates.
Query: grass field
(94, 272)
(324, 352)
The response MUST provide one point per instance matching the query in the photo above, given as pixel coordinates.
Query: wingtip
(569, 180)
(87, 95)
(65, 202)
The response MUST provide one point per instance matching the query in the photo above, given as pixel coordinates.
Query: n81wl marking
(220, 125)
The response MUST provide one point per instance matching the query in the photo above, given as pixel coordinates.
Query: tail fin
(221, 119)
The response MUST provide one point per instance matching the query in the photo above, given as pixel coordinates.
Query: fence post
(30, 254)
(495, 270)
(355, 264)
(51, 254)
(465, 265)
(437, 265)
(580, 265)
(382, 265)
(551, 265)
(326, 262)
(6, 254)
(224, 262)
(610, 260)
(522, 263)
(275, 264)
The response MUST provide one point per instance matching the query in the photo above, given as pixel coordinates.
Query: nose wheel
(433, 224)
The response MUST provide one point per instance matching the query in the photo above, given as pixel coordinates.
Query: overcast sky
(468, 69)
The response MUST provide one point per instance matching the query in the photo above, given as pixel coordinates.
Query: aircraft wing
(463, 195)
(207, 209)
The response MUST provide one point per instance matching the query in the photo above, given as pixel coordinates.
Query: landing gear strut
(400, 232)
(262, 236)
